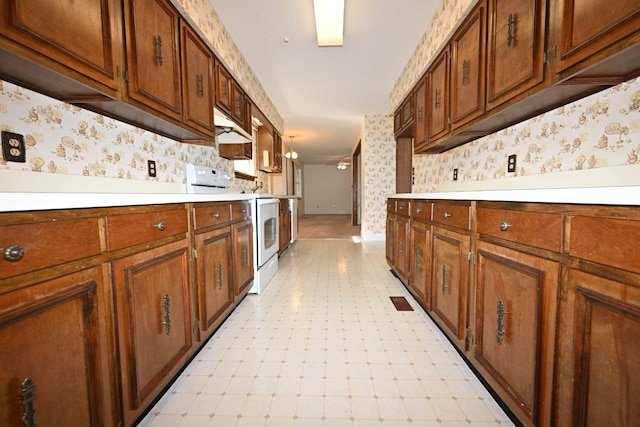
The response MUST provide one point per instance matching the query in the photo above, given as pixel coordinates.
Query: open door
(356, 184)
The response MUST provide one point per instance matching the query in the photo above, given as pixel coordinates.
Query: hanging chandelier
(291, 154)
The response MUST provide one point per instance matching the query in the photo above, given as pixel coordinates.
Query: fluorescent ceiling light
(329, 21)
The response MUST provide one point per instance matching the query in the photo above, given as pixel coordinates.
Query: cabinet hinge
(468, 336)
(125, 76)
(194, 254)
(471, 257)
(196, 327)
(545, 57)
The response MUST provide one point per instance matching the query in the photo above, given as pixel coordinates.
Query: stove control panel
(205, 179)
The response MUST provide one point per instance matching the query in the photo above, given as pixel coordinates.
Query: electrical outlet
(13, 148)
(511, 163)
(151, 166)
(455, 174)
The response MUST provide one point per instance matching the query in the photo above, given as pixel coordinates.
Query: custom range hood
(227, 131)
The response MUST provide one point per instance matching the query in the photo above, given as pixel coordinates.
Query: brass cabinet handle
(446, 215)
(217, 215)
(418, 210)
(160, 226)
(27, 397)
(437, 99)
(504, 226)
(245, 255)
(511, 30)
(200, 85)
(13, 253)
(159, 49)
(418, 260)
(219, 273)
(500, 332)
(420, 114)
(465, 71)
(166, 305)
(243, 211)
(445, 286)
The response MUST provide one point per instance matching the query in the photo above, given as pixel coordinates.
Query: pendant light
(291, 154)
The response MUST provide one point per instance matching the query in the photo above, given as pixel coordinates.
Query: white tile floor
(324, 346)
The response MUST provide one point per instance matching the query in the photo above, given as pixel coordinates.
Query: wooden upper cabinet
(49, 33)
(238, 104)
(224, 82)
(403, 118)
(420, 122)
(515, 48)
(153, 57)
(197, 80)
(468, 68)
(438, 96)
(590, 31)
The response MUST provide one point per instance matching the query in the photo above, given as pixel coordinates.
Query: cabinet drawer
(207, 216)
(606, 240)
(402, 207)
(391, 206)
(240, 211)
(452, 213)
(539, 229)
(421, 210)
(132, 229)
(45, 244)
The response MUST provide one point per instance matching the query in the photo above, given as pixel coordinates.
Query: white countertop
(628, 196)
(13, 202)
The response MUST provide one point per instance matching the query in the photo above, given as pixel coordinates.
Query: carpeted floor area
(326, 227)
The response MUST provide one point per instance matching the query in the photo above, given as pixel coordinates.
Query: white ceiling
(323, 93)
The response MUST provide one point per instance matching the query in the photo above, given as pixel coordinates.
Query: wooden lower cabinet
(55, 353)
(214, 278)
(242, 243)
(420, 263)
(450, 282)
(401, 247)
(516, 305)
(152, 294)
(598, 346)
(390, 239)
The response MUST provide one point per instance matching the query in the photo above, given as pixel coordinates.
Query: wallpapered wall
(65, 139)
(379, 170)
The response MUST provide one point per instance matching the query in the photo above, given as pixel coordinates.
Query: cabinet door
(197, 75)
(438, 96)
(154, 324)
(468, 68)
(420, 124)
(81, 35)
(277, 151)
(516, 36)
(599, 343)
(224, 88)
(390, 239)
(54, 353)
(516, 305)
(153, 61)
(238, 104)
(420, 262)
(215, 284)
(266, 156)
(242, 238)
(449, 282)
(401, 256)
(588, 27)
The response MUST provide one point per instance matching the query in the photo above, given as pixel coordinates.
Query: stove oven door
(267, 229)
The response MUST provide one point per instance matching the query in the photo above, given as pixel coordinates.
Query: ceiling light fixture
(291, 154)
(329, 16)
(341, 166)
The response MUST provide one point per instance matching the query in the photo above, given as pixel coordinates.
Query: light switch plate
(455, 174)
(13, 148)
(151, 166)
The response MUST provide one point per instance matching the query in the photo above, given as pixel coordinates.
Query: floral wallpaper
(379, 165)
(601, 130)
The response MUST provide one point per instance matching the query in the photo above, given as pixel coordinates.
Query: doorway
(355, 185)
